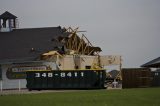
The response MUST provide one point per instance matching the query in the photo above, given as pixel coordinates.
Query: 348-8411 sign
(62, 74)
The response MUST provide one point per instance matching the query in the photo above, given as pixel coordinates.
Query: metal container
(156, 78)
(0, 73)
(68, 79)
(136, 77)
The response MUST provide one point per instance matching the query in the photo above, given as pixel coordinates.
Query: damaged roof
(28, 44)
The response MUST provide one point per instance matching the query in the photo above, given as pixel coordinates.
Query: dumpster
(68, 79)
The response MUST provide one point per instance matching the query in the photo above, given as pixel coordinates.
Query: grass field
(124, 97)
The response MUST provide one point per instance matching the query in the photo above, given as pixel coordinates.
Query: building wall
(13, 83)
(156, 78)
(81, 61)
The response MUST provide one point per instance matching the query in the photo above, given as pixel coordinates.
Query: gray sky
(130, 28)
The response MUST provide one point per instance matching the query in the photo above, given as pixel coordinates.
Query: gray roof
(28, 44)
(7, 15)
(155, 63)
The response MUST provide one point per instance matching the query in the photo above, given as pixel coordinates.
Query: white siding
(14, 83)
(11, 84)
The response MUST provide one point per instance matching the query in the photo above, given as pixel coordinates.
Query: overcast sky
(130, 28)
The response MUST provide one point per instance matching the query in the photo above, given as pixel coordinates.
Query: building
(155, 63)
(48, 48)
(20, 49)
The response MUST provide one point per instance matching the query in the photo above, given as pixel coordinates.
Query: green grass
(125, 97)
